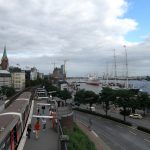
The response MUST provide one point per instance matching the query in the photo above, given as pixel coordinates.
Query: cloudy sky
(85, 32)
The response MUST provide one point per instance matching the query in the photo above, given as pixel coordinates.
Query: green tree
(8, 91)
(86, 97)
(64, 95)
(123, 99)
(144, 101)
(134, 103)
(107, 96)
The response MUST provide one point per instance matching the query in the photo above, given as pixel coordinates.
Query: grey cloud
(85, 32)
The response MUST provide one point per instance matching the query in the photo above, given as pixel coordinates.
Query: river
(143, 85)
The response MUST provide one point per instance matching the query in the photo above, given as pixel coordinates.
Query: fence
(62, 139)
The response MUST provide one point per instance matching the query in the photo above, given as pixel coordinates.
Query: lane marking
(132, 132)
(94, 133)
(119, 126)
(83, 123)
(147, 140)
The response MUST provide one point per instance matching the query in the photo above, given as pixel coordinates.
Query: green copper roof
(4, 53)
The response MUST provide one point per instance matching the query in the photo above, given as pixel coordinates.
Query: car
(136, 116)
(91, 108)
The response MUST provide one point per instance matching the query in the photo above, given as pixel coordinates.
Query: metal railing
(62, 141)
(64, 110)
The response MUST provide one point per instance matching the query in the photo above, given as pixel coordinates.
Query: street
(117, 136)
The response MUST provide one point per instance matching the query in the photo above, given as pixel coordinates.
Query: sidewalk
(99, 144)
(48, 139)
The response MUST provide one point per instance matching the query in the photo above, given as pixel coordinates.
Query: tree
(65, 94)
(90, 97)
(134, 103)
(144, 100)
(123, 98)
(86, 97)
(107, 96)
(8, 91)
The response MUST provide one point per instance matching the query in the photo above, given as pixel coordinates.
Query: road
(117, 136)
(145, 122)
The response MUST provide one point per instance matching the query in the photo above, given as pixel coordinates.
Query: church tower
(4, 60)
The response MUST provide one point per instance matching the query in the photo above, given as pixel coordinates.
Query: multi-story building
(33, 74)
(18, 80)
(5, 78)
(59, 73)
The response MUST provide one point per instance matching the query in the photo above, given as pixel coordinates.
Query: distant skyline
(39, 32)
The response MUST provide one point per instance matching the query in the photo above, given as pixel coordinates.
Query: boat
(93, 80)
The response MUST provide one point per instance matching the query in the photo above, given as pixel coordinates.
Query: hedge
(78, 140)
(104, 116)
(144, 129)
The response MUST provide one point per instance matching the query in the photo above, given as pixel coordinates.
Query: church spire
(4, 53)
(4, 60)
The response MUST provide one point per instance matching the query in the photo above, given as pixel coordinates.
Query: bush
(104, 116)
(147, 130)
(78, 140)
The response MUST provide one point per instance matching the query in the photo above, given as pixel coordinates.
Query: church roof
(4, 53)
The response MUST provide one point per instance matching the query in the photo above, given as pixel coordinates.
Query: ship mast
(107, 74)
(115, 67)
(127, 83)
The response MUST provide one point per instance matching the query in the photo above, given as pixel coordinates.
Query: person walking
(38, 111)
(90, 123)
(43, 109)
(37, 129)
(44, 123)
(29, 130)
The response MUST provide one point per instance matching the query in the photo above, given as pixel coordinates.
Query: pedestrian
(37, 129)
(44, 123)
(50, 111)
(29, 130)
(90, 123)
(38, 111)
(43, 109)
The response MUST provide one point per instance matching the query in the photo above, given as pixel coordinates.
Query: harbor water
(142, 85)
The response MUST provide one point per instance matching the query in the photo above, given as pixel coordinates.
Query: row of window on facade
(17, 80)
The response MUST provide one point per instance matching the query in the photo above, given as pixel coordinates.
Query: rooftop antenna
(127, 83)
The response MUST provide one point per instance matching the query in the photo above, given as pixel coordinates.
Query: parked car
(91, 108)
(136, 116)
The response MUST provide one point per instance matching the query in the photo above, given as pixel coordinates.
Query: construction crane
(53, 63)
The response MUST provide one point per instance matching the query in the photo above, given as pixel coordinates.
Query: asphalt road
(135, 122)
(145, 122)
(117, 136)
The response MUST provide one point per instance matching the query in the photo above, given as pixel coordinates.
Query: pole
(127, 84)
(115, 68)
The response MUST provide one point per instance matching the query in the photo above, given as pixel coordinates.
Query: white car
(135, 116)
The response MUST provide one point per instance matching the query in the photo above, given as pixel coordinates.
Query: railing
(62, 139)
(64, 110)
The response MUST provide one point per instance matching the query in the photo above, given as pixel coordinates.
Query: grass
(78, 140)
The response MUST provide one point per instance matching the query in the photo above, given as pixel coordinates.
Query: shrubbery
(143, 129)
(78, 140)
